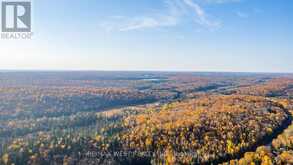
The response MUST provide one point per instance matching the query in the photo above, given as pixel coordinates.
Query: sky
(163, 35)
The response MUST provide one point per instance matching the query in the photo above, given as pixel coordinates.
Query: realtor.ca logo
(16, 20)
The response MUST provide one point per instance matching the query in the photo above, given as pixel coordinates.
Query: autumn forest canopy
(153, 118)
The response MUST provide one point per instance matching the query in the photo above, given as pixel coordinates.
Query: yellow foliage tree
(5, 158)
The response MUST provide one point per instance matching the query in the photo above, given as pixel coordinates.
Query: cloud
(201, 15)
(169, 18)
(127, 24)
(219, 1)
(173, 14)
(242, 14)
(149, 22)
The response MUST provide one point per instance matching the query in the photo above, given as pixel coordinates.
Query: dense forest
(145, 118)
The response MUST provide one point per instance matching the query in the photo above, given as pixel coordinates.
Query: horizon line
(146, 70)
